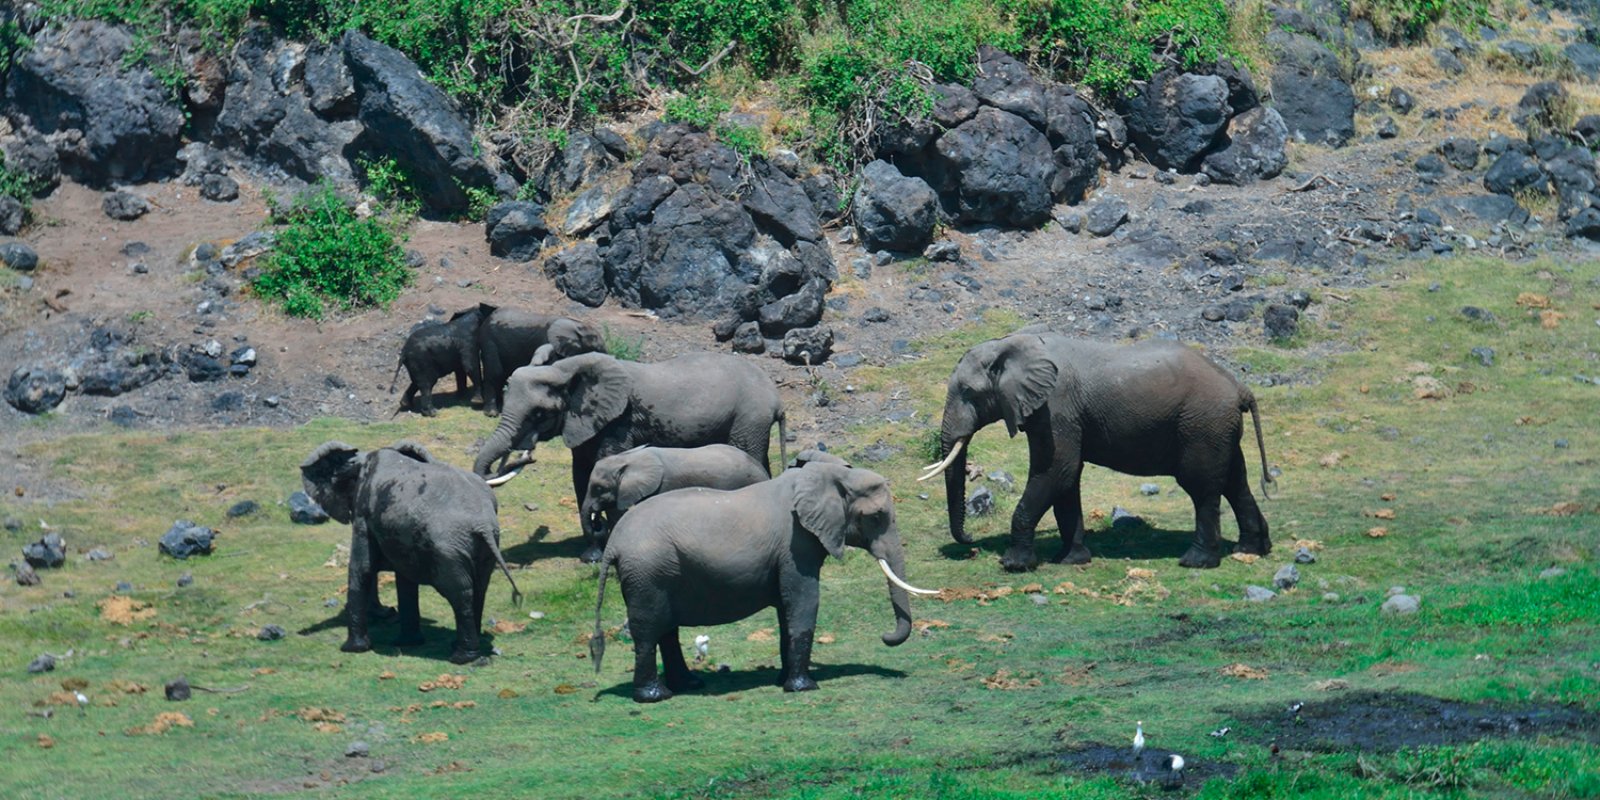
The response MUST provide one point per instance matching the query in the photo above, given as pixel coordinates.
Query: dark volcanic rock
(412, 121)
(124, 206)
(35, 390)
(1585, 224)
(892, 211)
(1281, 321)
(186, 539)
(1002, 169)
(49, 552)
(1460, 151)
(31, 155)
(579, 273)
(515, 230)
(12, 215)
(1448, 61)
(1255, 150)
(219, 188)
(85, 77)
(19, 257)
(1310, 92)
(1401, 101)
(1106, 215)
(807, 346)
(1540, 106)
(1512, 173)
(1176, 117)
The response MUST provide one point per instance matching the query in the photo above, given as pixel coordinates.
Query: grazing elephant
(602, 406)
(436, 349)
(429, 522)
(509, 338)
(708, 557)
(622, 481)
(814, 456)
(1153, 408)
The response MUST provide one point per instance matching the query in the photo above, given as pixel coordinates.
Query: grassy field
(1478, 478)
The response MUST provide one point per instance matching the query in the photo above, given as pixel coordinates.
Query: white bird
(1294, 709)
(1221, 732)
(1138, 738)
(83, 702)
(702, 645)
(1174, 766)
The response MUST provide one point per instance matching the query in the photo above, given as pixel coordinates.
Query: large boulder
(1255, 148)
(1310, 92)
(84, 84)
(35, 390)
(893, 211)
(1176, 117)
(1540, 107)
(579, 273)
(1513, 172)
(410, 120)
(269, 118)
(515, 230)
(1003, 169)
(1071, 130)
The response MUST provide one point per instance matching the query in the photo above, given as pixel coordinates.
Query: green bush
(699, 110)
(1409, 20)
(694, 31)
(325, 254)
(1107, 44)
(16, 185)
(742, 139)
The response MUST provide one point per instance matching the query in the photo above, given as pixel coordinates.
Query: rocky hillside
(1218, 202)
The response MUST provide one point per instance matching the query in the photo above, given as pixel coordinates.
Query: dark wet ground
(1148, 767)
(1374, 721)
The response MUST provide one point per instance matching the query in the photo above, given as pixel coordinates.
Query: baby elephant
(709, 557)
(622, 481)
(436, 349)
(428, 522)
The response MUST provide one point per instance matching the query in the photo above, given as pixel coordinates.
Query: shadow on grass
(438, 640)
(719, 684)
(1133, 541)
(540, 546)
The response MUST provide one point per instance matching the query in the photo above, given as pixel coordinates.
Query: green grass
(1474, 481)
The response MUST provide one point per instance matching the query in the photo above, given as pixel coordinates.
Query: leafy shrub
(699, 109)
(742, 139)
(622, 347)
(389, 184)
(326, 254)
(697, 30)
(1409, 20)
(1107, 44)
(16, 184)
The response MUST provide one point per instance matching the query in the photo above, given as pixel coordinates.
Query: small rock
(536, 615)
(1401, 101)
(981, 502)
(1401, 604)
(122, 587)
(1149, 489)
(305, 511)
(1477, 314)
(1299, 298)
(49, 552)
(1287, 577)
(99, 554)
(178, 689)
(1562, 444)
(186, 579)
(186, 539)
(1258, 594)
(243, 508)
(1213, 313)
(1106, 216)
(942, 250)
(1305, 556)
(1387, 128)
(1281, 322)
(219, 188)
(1552, 572)
(25, 576)
(1485, 355)
(1039, 599)
(44, 663)
(357, 749)
(19, 257)
(1330, 597)
(1002, 479)
(1123, 518)
(271, 633)
(124, 206)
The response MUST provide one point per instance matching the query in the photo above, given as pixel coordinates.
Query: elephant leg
(797, 624)
(647, 685)
(360, 591)
(1253, 534)
(583, 460)
(410, 616)
(457, 589)
(480, 588)
(425, 400)
(408, 400)
(679, 678)
(1046, 476)
(1069, 519)
(1206, 551)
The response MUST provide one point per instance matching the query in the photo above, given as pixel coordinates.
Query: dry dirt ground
(343, 365)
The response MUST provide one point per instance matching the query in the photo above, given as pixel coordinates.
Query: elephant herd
(676, 494)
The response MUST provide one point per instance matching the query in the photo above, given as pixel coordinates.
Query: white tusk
(935, 469)
(895, 579)
(500, 479)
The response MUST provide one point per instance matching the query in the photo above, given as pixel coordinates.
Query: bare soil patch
(1381, 722)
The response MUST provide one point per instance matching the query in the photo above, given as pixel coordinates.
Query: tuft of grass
(622, 347)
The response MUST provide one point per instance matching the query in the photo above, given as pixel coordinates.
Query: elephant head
(814, 456)
(574, 397)
(843, 506)
(1002, 379)
(331, 475)
(617, 484)
(568, 337)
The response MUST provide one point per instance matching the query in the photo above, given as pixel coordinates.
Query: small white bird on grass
(83, 701)
(1174, 765)
(1138, 738)
(1221, 732)
(702, 646)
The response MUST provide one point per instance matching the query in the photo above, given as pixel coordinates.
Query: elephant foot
(687, 682)
(652, 692)
(491, 412)
(1019, 559)
(1076, 555)
(428, 412)
(1255, 547)
(356, 644)
(800, 683)
(1199, 558)
(465, 656)
(591, 555)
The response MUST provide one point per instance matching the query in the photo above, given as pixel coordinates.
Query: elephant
(429, 522)
(815, 456)
(622, 481)
(1152, 408)
(436, 349)
(509, 338)
(602, 406)
(709, 557)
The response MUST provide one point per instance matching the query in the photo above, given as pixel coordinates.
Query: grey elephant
(436, 349)
(1152, 408)
(601, 406)
(707, 557)
(431, 523)
(626, 479)
(813, 455)
(509, 338)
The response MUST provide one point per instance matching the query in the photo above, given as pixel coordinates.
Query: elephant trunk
(955, 485)
(498, 445)
(888, 549)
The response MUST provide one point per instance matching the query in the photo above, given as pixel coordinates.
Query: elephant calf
(626, 479)
(709, 557)
(436, 349)
(429, 522)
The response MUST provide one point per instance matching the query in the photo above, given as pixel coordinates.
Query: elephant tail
(1261, 445)
(783, 439)
(395, 381)
(494, 547)
(597, 642)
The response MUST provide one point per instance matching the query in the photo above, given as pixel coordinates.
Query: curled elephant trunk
(497, 447)
(892, 559)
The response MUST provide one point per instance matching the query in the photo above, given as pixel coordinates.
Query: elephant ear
(819, 504)
(639, 479)
(330, 475)
(412, 450)
(597, 393)
(569, 337)
(1023, 377)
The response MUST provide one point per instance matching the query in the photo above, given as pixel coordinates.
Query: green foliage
(622, 347)
(389, 184)
(479, 200)
(326, 254)
(742, 139)
(16, 184)
(697, 30)
(1409, 20)
(700, 110)
(1106, 44)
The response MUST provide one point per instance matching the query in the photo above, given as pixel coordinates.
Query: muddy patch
(1149, 767)
(1376, 721)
